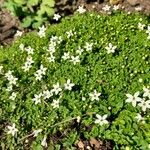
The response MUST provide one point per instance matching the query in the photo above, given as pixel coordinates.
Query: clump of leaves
(78, 81)
(32, 13)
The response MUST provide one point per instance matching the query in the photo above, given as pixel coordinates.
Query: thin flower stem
(57, 124)
(26, 136)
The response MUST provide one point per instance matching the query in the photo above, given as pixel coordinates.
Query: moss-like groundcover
(88, 76)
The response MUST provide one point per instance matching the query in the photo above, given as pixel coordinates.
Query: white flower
(148, 30)
(41, 32)
(75, 59)
(141, 26)
(51, 58)
(9, 88)
(8, 74)
(69, 33)
(110, 48)
(52, 48)
(55, 103)
(144, 104)
(38, 75)
(26, 67)
(40, 72)
(13, 96)
(101, 120)
(56, 88)
(59, 40)
(12, 80)
(47, 94)
(68, 85)
(28, 63)
(146, 92)
(29, 60)
(54, 39)
(37, 98)
(29, 50)
(106, 8)
(94, 96)
(116, 7)
(88, 46)
(133, 99)
(36, 132)
(12, 129)
(139, 118)
(43, 70)
(79, 50)
(21, 46)
(1, 69)
(44, 143)
(81, 10)
(56, 17)
(18, 33)
(53, 42)
(66, 56)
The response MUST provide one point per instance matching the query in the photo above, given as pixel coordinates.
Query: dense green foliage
(32, 13)
(112, 74)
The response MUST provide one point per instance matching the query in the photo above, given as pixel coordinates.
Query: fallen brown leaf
(95, 143)
(81, 145)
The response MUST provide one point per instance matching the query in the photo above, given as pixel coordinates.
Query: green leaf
(95, 131)
(51, 145)
(20, 2)
(46, 9)
(36, 146)
(27, 22)
(32, 2)
(50, 3)
(11, 6)
(37, 24)
(57, 147)
(49, 11)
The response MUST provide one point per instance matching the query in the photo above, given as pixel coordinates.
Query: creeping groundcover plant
(88, 76)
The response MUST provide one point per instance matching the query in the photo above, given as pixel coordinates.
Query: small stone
(133, 2)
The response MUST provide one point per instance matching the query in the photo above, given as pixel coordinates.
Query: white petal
(134, 103)
(105, 116)
(129, 95)
(136, 94)
(144, 108)
(99, 117)
(128, 100)
(97, 121)
(138, 99)
(105, 122)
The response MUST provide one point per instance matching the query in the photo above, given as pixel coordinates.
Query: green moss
(113, 75)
